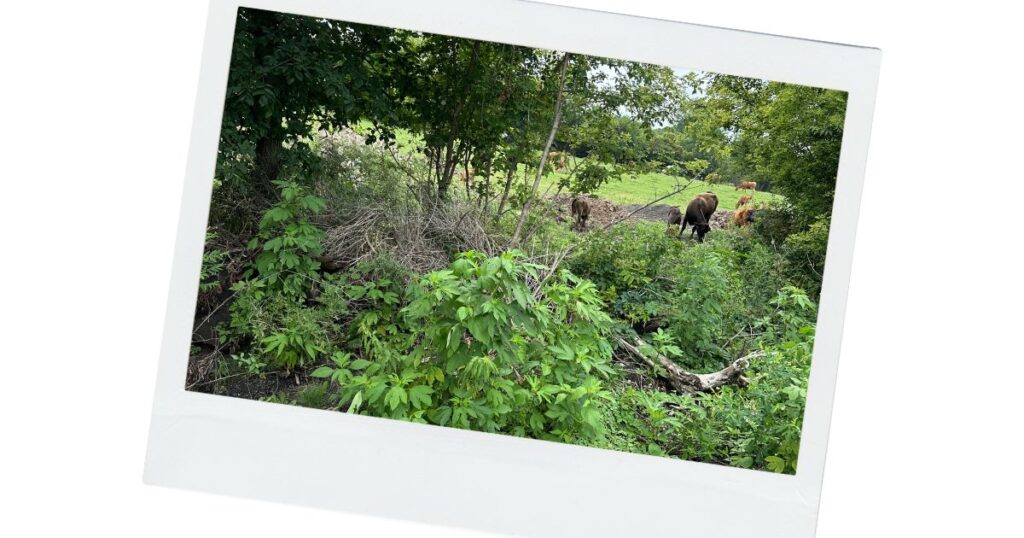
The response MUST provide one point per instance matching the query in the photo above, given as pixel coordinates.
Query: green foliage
(289, 242)
(804, 253)
(249, 363)
(287, 70)
(784, 135)
(757, 426)
(774, 223)
(284, 332)
(213, 263)
(475, 347)
(316, 396)
(624, 258)
(703, 286)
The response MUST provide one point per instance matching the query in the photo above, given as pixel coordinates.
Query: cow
(466, 177)
(744, 200)
(747, 185)
(743, 217)
(558, 160)
(580, 213)
(675, 218)
(698, 214)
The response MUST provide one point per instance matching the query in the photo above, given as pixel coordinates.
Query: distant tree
(783, 135)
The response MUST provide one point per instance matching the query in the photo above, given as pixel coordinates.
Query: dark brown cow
(580, 213)
(747, 185)
(675, 218)
(698, 214)
(744, 200)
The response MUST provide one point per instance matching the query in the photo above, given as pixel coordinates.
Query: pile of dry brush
(420, 237)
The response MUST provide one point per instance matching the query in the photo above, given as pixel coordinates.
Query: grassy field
(643, 188)
(639, 189)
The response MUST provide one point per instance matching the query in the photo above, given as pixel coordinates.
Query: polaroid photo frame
(483, 481)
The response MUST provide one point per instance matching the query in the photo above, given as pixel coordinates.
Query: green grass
(638, 189)
(643, 188)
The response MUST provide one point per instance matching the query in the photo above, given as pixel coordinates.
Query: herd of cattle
(697, 215)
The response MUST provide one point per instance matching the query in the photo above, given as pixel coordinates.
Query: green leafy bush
(774, 223)
(625, 258)
(289, 243)
(476, 347)
(702, 288)
(757, 426)
(804, 253)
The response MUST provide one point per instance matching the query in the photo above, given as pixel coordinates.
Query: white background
(97, 101)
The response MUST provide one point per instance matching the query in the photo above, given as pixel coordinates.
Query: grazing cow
(743, 217)
(558, 160)
(744, 200)
(698, 213)
(580, 213)
(675, 218)
(747, 185)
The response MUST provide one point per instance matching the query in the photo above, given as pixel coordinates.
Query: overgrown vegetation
(383, 240)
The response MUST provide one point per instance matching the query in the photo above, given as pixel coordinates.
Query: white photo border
(483, 481)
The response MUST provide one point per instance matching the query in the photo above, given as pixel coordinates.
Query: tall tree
(289, 70)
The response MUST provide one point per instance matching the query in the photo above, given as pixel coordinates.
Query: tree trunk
(267, 165)
(510, 176)
(562, 66)
(686, 382)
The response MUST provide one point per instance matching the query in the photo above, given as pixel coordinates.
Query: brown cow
(580, 213)
(558, 161)
(698, 214)
(743, 217)
(747, 185)
(675, 218)
(744, 200)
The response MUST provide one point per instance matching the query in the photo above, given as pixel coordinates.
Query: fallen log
(687, 382)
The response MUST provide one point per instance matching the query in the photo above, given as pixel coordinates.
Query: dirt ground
(604, 212)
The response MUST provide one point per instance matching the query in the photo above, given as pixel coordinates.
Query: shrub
(475, 347)
(281, 329)
(758, 273)
(773, 224)
(288, 242)
(804, 253)
(704, 288)
(758, 426)
(624, 258)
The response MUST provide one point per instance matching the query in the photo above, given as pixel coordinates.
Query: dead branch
(686, 382)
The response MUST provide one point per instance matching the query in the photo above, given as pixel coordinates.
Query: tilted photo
(518, 241)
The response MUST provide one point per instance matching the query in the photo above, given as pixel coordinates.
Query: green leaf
(357, 401)
(359, 364)
(396, 397)
(419, 396)
(322, 372)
